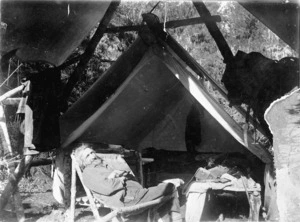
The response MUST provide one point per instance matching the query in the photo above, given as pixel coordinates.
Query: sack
(203, 174)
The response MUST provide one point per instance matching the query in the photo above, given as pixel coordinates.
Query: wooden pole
(5, 141)
(73, 192)
(11, 101)
(41, 162)
(169, 24)
(89, 51)
(87, 191)
(255, 204)
(17, 201)
(11, 93)
(18, 206)
(7, 145)
(214, 31)
(137, 207)
(140, 165)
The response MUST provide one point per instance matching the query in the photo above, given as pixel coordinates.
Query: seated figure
(117, 188)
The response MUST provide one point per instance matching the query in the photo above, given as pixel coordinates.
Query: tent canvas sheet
(48, 30)
(150, 108)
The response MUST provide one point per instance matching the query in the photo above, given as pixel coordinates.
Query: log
(169, 24)
(13, 180)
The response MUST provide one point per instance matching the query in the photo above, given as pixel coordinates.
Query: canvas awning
(281, 17)
(47, 30)
(150, 107)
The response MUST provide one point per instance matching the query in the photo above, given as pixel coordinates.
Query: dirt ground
(39, 204)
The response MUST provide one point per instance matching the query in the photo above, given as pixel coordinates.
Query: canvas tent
(148, 105)
(147, 100)
(47, 30)
(286, 24)
(50, 30)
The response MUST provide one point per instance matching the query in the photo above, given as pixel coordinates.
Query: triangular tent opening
(146, 103)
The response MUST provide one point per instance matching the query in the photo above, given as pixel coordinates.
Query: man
(118, 188)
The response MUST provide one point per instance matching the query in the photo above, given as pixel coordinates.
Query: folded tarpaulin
(150, 109)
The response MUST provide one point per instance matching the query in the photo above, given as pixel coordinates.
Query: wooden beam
(69, 62)
(11, 93)
(41, 162)
(89, 51)
(169, 24)
(214, 31)
(12, 101)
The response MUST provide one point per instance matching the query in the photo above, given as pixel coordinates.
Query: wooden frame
(116, 212)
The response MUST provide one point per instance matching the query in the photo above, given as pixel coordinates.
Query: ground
(39, 204)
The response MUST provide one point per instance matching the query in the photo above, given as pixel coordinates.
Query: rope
(165, 17)
(11, 75)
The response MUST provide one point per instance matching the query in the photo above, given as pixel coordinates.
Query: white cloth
(62, 178)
